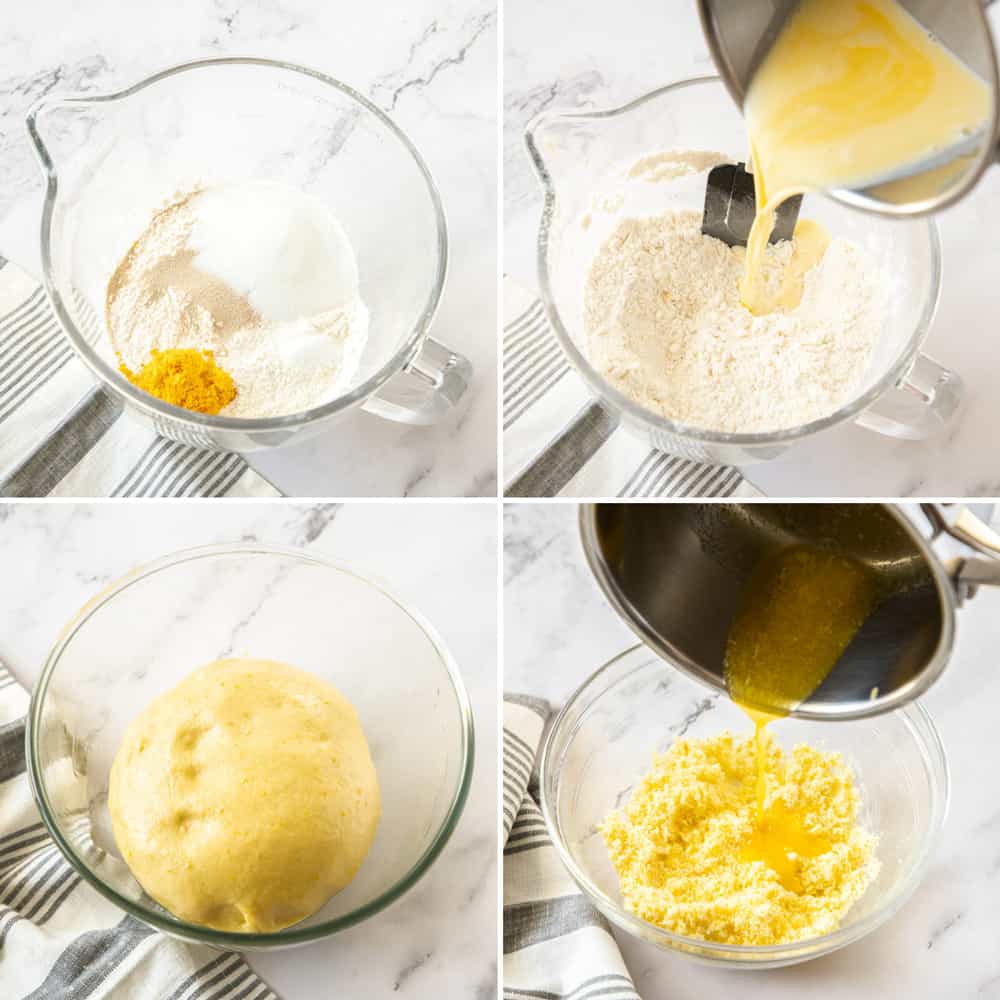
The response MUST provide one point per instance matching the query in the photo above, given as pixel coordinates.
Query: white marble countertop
(943, 943)
(431, 63)
(440, 938)
(563, 54)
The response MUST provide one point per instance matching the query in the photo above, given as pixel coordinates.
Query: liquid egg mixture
(851, 92)
(735, 839)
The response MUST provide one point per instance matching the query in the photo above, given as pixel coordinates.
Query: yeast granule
(676, 845)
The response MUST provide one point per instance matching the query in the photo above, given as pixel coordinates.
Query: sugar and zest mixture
(676, 844)
(666, 327)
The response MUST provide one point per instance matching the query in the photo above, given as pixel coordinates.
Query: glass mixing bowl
(111, 160)
(636, 705)
(144, 633)
(582, 160)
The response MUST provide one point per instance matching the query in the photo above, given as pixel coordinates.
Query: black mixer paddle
(730, 205)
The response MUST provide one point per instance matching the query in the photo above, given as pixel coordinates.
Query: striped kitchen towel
(61, 940)
(557, 441)
(62, 435)
(556, 946)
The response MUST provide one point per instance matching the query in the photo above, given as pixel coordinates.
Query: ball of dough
(245, 797)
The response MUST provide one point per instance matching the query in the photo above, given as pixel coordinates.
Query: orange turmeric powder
(185, 377)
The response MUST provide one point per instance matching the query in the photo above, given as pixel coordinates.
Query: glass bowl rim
(918, 723)
(636, 414)
(150, 404)
(295, 934)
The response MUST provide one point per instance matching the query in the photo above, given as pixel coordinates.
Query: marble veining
(440, 938)
(431, 64)
(586, 56)
(943, 943)
(389, 85)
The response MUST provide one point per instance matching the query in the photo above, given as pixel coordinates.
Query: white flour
(671, 164)
(665, 325)
(260, 274)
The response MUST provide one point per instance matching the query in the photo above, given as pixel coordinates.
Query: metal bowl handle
(968, 574)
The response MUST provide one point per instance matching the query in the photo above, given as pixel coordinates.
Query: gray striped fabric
(556, 946)
(32, 348)
(60, 435)
(533, 362)
(559, 442)
(61, 939)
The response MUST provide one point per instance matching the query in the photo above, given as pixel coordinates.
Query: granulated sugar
(278, 247)
(665, 326)
(259, 274)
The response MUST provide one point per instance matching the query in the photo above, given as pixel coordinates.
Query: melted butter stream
(851, 92)
(800, 610)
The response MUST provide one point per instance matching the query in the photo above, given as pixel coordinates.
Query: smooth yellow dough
(245, 797)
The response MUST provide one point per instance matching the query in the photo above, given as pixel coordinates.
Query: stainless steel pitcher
(740, 32)
(675, 573)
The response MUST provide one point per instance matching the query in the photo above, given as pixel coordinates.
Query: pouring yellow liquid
(802, 607)
(850, 92)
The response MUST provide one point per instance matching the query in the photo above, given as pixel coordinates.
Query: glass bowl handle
(425, 390)
(922, 402)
